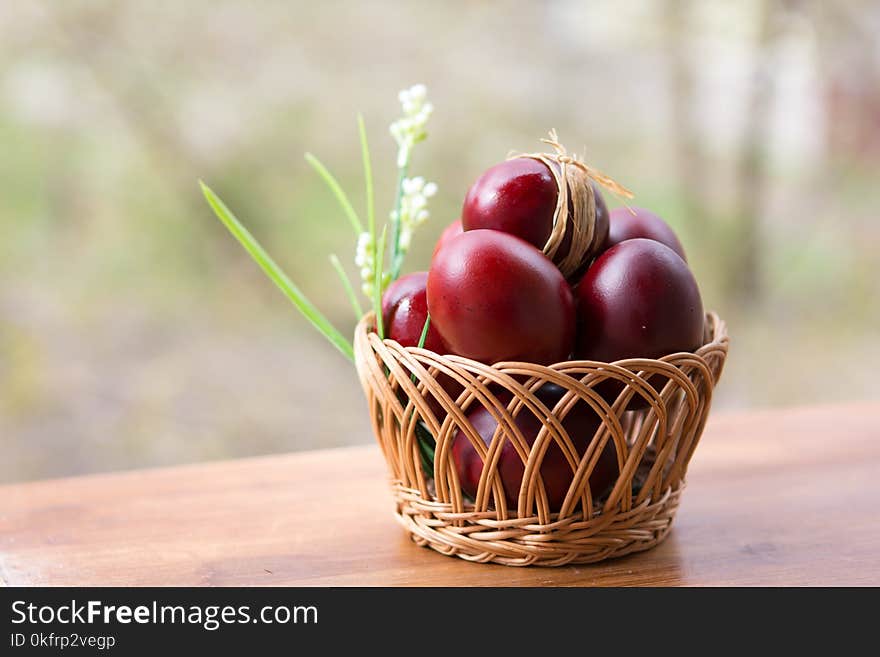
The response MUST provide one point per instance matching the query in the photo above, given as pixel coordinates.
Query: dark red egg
(626, 225)
(516, 196)
(519, 197)
(453, 229)
(581, 424)
(404, 310)
(494, 297)
(639, 299)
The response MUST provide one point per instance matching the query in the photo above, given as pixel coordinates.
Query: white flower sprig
(409, 130)
(365, 259)
(413, 209)
(410, 211)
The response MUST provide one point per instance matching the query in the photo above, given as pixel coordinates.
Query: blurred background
(135, 332)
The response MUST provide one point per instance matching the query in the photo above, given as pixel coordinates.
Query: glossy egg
(453, 229)
(626, 225)
(404, 310)
(516, 196)
(519, 196)
(494, 297)
(638, 300)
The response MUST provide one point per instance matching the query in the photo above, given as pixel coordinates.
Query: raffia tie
(573, 178)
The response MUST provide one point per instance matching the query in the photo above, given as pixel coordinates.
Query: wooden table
(774, 498)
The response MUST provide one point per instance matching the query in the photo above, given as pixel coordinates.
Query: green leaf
(422, 338)
(368, 176)
(378, 264)
(273, 271)
(425, 328)
(427, 445)
(336, 188)
(349, 290)
(396, 255)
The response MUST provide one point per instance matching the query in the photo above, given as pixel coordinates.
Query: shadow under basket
(651, 411)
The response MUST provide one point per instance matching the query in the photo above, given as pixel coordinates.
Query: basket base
(521, 542)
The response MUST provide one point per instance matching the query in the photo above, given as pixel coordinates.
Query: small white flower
(364, 258)
(418, 92)
(413, 185)
(413, 208)
(364, 252)
(410, 128)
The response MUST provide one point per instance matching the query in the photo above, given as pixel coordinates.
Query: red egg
(519, 197)
(626, 226)
(638, 300)
(516, 196)
(581, 424)
(404, 310)
(453, 229)
(494, 297)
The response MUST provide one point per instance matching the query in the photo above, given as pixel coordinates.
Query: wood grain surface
(783, 497)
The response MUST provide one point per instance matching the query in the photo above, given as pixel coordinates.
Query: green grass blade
(424, 335)
(338, 192)
(426, 448)
(273, 271)
(378, 264)
(396, 255)
(349, 290)
(422, 338)
(368, 176)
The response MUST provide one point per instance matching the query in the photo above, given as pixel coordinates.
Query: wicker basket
(654, 433)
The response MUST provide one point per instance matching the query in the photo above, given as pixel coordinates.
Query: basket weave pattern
(408, 392)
